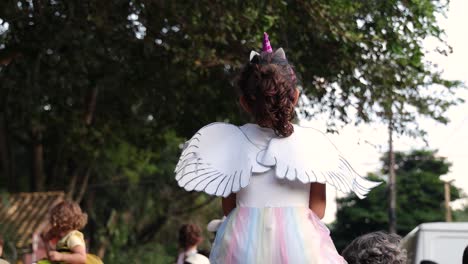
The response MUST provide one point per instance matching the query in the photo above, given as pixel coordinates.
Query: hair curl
(375, 248)
(67, 216)
(189, 235)
(270, 93)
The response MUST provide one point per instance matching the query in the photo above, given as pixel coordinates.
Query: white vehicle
(442, 243)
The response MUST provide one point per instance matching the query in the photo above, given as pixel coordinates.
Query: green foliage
(129, 161)
(461, 215)
(10, 252)
(149, 253)
(111, 89)
(420, 197)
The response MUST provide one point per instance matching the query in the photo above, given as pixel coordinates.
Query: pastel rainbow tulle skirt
(273, 235)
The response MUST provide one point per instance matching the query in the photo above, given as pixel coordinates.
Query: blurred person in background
(2, 261)
(375, 248)
(189, 239)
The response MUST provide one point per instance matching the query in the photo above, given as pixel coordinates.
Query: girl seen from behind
(270, 173)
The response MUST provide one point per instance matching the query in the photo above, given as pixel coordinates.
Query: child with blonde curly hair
(66, 218)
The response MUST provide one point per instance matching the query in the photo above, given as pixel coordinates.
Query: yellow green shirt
(71, 240)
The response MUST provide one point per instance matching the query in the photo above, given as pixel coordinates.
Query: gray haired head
(375, 248)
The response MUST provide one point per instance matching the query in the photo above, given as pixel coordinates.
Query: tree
(420, 196)
(97, 96)
(461, 215)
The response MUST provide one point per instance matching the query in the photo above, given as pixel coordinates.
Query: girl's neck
(264, 124)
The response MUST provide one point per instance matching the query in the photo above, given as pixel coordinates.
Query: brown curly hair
(66, 216)
(189, 235)
(269, 90)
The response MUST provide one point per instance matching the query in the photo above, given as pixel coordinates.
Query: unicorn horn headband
(266, 44)
(279, 57)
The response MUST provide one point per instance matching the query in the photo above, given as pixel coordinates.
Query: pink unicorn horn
(266, 44)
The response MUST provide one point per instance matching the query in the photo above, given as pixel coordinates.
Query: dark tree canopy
(97, 96)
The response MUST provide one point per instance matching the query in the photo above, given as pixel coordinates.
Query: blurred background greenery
(97, 98)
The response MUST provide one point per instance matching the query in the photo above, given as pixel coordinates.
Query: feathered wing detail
(218, 159)
(309, 156)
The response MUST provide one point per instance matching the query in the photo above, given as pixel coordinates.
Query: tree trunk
(72, 185)
(37, 7)
(392, 220)
(448, 210)
(84, 186)
(38, 178)
(5, 160)
(102, 250)
(91, 106)
(88, 120)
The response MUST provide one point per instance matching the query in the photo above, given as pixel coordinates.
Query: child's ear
(244, 104)
(296, 97)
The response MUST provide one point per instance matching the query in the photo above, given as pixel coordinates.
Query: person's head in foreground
(375, 248)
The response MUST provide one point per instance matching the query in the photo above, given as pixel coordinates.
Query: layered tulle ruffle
(274, 235)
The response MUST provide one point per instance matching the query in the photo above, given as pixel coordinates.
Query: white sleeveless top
(265, 189)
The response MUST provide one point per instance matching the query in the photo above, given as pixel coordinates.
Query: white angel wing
(309, 156)
(218, 159)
